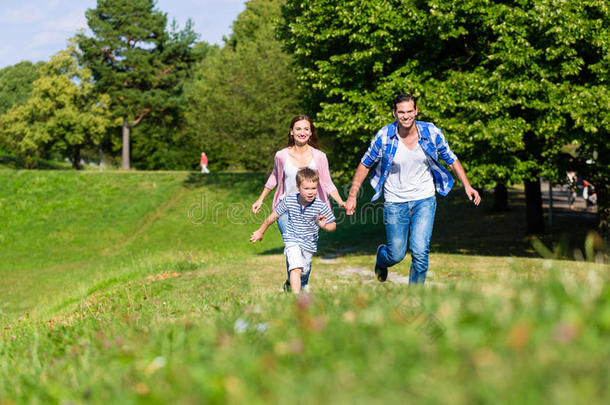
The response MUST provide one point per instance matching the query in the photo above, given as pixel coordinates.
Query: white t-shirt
(410, 178)
(290, 176)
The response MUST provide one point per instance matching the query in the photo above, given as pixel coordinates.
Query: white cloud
(27, 14)
(46, 38)
(67, 23)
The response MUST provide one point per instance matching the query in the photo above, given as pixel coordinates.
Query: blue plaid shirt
(433, 143)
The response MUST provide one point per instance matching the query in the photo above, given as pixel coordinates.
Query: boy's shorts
(298, 257)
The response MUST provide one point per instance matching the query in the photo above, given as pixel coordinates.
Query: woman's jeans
(412, 221)
(282, 222)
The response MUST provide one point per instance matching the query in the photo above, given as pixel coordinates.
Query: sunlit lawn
(142, 288)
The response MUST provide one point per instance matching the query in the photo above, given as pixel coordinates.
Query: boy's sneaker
(286, 287)
(306, 288)
(381, 273)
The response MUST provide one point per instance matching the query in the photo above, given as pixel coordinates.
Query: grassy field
(142, 288)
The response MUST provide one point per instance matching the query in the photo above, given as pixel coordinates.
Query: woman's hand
(256, 207)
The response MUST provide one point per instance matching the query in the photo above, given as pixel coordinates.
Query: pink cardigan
(325, 186)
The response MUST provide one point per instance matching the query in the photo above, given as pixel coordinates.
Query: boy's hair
(307, 174)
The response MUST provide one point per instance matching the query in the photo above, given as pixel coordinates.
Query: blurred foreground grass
(141, 288)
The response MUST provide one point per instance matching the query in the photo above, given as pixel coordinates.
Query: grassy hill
(142, 288)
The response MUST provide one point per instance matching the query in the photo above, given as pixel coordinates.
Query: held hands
(473, 195)
(350, 206)
(256, 236)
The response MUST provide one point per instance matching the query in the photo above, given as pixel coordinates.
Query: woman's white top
(290, 176)
(410, 178)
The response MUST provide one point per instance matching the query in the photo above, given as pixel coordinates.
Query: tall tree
(62, 116)
(16, 83)
(136, 60)
(496, 76)
(244, 94)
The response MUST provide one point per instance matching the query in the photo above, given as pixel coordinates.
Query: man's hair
(307, 174)
(402, 97)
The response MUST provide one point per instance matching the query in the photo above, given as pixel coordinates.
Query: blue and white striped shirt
(302, 227)
(433, 143)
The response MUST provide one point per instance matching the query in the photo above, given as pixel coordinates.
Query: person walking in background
(572, 189)
(408, 173)
(300, 152)
(305, 213)
(204, 163)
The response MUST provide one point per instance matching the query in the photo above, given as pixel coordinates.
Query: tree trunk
(76, 158)
(533, 201)
(603, 209)
(125, 160)
(500, 198)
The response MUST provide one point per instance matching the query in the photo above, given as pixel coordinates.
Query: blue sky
(36, 29)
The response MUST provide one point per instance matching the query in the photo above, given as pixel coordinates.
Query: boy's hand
(256, 236)
(321, 221)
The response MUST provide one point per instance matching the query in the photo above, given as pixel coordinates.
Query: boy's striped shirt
(302, 227)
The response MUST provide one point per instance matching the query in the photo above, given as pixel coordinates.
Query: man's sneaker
(286, 287)
(381, 273)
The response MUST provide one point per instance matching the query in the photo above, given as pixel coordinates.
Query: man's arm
(458, 169)
(350, 204)
(258, 234)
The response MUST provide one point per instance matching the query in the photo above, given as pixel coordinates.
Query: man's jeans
(401, 219)
(282, 223)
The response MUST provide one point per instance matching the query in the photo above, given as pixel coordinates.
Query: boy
(306, 214)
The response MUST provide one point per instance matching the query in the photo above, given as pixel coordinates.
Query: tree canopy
(244, 94)
(63, 115)
(136, 60)
(16, 83)
(496, 76)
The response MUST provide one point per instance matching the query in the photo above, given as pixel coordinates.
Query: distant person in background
(572, 189)
(204, 163)
(300, 152)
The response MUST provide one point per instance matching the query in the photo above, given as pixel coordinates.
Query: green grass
(142, 288)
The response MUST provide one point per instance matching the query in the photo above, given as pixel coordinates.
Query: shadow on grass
(246, 183)
(11, 162)
(460, 227)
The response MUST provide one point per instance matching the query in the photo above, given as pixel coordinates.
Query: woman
(301, 152)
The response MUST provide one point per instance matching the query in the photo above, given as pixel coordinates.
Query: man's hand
(256, 236)
(473, 195)
(350, 205)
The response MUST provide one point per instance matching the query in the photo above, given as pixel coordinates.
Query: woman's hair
(313, 139)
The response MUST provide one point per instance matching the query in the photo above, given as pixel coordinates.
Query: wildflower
(240, 326)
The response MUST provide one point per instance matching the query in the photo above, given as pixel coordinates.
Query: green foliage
(244, 95)
(136, 61)
(502, 79)
(16, 83)
(62, 116)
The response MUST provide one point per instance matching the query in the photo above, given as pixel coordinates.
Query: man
(408, 173)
